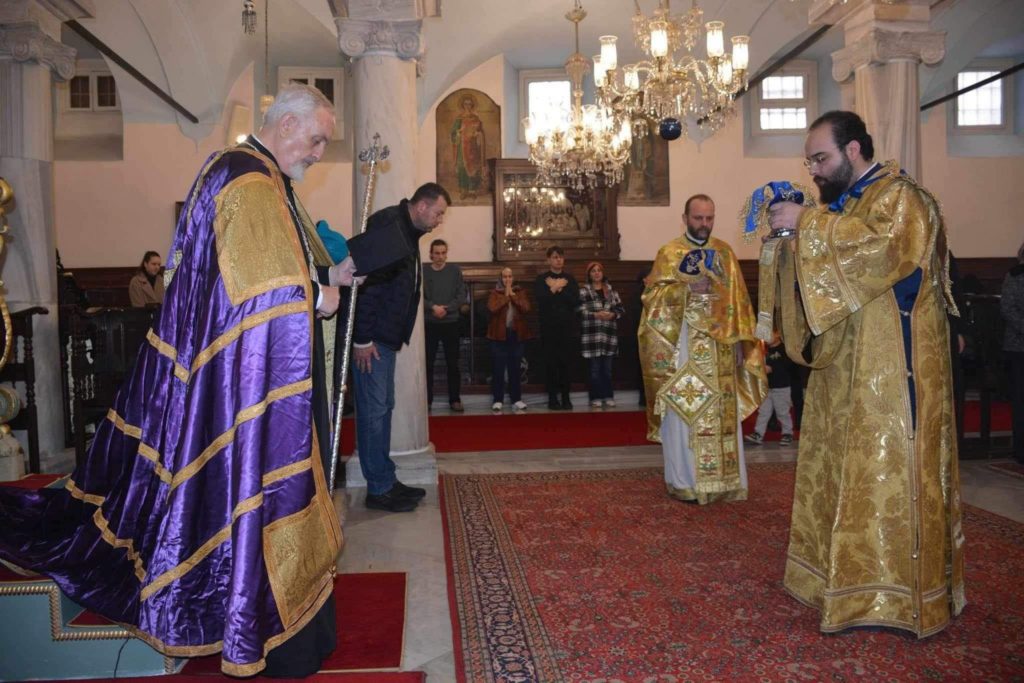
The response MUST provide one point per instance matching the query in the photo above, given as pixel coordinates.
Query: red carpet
(583, 429)
(580, 429)
(371, 624)
(583, 576)
(34, 481)
(540, 429)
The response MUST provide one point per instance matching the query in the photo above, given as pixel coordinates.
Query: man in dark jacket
(386, 312)
(557, 295)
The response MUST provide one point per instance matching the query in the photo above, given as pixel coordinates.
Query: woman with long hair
(147, 286)
(600, 308)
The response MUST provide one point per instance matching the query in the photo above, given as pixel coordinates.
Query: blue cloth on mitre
(335, 242)
(765, 196)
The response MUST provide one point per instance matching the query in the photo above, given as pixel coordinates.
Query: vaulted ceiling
(196, 49)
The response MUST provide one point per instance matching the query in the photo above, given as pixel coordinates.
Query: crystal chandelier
(585, 146)
(674, 86)
(532, 212)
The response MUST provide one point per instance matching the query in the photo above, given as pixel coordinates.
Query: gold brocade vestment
(718, 381)
(875, 537)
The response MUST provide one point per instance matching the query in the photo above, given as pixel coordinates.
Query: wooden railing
(21, 370)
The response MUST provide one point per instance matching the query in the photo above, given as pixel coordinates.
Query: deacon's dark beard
(833, 186)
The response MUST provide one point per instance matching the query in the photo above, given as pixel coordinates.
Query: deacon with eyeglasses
(875, 537)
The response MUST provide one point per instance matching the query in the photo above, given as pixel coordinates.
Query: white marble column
(31, 57)
(885, 44)
(385, 44)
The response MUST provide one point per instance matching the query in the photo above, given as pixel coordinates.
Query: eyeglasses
(816, 160)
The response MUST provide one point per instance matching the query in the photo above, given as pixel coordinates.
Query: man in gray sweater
(444, 292)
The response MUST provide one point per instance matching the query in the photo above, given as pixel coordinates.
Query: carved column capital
(880, 46)
(26, 41)
(362, 37)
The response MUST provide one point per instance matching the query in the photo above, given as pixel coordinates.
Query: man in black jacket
(386, 311)
(557, 295)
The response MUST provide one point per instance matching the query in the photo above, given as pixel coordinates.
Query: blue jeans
(507, 356)
(600, 377)
(375, 400)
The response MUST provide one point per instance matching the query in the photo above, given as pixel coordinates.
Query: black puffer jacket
(389, 300)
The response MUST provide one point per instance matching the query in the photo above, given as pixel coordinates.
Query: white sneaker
(496, 407)
(595, 404)
(609, 403)
(520, 406)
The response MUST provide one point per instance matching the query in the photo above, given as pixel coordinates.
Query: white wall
(979, 195)
(108, 213)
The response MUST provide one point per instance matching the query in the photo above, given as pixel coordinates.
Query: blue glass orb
(670, 129)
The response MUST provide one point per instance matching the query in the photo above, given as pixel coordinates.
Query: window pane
(106, 91)
(783, 88)
(545, 97)
(303, 81)
(79, 92)
(326, 86)
(982, 106)
(783, 118)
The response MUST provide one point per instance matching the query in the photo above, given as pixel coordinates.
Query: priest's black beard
(832, 187)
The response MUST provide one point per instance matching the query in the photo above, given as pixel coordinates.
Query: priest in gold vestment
(876, 535)
(703, 368)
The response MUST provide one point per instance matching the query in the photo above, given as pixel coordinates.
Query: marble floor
(414, 543)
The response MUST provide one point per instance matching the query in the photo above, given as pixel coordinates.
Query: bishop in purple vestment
(201, 519)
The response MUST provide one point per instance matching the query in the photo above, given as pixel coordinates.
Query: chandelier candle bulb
(609, 54)
(659, 39)
(631, 79)
(725, 72)
(740, 52)
(600, 73)
(716, 39)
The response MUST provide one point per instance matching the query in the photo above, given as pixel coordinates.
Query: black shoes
(390, 503)
(400, 498)
(408, 492)
(555, 404)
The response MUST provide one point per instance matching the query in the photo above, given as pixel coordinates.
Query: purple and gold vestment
(201, 519)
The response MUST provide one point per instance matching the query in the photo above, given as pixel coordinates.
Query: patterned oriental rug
(1014, 469)
(599, 576)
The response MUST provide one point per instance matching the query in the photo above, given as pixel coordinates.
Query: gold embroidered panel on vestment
(298, 553)
(257, 247)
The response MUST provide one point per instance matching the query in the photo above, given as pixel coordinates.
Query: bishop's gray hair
(296, 98)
